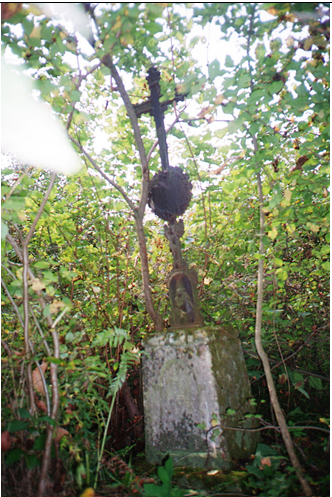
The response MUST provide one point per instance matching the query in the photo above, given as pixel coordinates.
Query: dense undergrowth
(74, 325)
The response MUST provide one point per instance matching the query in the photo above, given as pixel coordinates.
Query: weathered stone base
(192, 377)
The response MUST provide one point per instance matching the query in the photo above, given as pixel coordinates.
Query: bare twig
(267, 427)
(12, 302)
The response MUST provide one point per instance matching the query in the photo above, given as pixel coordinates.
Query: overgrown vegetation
(87, 284)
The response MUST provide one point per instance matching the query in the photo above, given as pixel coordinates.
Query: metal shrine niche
(169, 196)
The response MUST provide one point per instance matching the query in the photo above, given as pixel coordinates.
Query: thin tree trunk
(261, 352)
(155, 316)
(138, 211)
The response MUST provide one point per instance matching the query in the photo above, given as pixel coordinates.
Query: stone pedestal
(191, 377)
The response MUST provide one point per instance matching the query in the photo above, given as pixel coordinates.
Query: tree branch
(107, 60)
(139, 211)
(100, 171)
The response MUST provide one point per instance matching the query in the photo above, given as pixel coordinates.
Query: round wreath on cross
(170, 193)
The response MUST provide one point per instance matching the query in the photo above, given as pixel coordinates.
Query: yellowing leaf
(37, 285)
(35, 33)
(273, 234)
(219, 99)
(291, 228)
(214, 422)
(273, 11)
(290, 41)
(88, 492)
(117, 25)
(37, 379)
(282, 274)
(207, 281)
(204, 111)
(290, 17)
(33, 9)
(313, 227)
(288, 195)
(312, 62)
(308, 43)
(56, 306)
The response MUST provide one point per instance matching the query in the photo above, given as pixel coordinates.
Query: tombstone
(195, 382)
(191, 377)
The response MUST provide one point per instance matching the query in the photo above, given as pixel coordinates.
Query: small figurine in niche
(183, 307)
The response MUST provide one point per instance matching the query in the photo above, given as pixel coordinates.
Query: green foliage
(165, 489)
(266, 476)
(272, 90)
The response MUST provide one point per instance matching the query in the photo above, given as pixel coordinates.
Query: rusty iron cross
(156, 108)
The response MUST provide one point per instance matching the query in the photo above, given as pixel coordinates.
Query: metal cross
(156, 109)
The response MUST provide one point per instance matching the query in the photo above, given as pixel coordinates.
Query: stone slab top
(191, 335)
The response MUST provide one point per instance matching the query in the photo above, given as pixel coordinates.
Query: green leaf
(315, 382)
(13, 456)
(47, 311)
(163, 475)
(24, 413)
(151, 490)
(155, 8)
(54, 360)
(244, 80)
(214, 69)
(41, 264)
(325, 250)
(275, 87)
(48, 420)
(70, 336)
(75, 95)
(303, 392)
(32, 461)
(39, 443)
(326, 265)
(229, 61)
(4, 230)
(276, 199)
(17, 425)
(169, 467)
(14, 203)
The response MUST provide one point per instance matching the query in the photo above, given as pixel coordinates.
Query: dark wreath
(170, 193)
